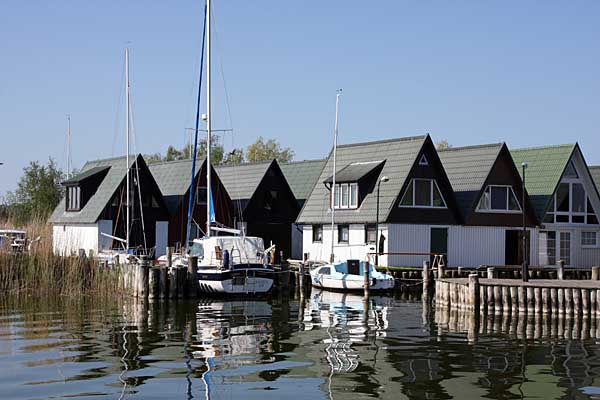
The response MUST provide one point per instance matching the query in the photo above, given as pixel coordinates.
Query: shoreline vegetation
(40, 272)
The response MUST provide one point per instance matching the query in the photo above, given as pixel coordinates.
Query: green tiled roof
(399, 156)
(302, 176)
(467, 169)
(84, 175)
(91, 211)
(174, 179)
(545, 168)
(354, 172)
(241, 181)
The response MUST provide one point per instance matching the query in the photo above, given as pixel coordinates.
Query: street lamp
(383, 179)
(524, 271)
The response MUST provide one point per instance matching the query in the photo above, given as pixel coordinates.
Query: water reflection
(327, 345)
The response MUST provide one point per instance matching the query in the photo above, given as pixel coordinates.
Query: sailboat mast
(68, 146)
(127, 216)
(208, 118)
(335, 135)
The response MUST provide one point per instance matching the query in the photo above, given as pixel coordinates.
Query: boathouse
(264, 204)
(94, 206)
(415, 198)
(174, 180)
(488, 189)
(302, 177)
(566, 202)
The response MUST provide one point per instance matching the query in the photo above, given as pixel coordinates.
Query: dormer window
(346, 196)
(498, 198)
(73, 199)
(422, 193)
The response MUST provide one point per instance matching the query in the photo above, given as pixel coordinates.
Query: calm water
(326, 347)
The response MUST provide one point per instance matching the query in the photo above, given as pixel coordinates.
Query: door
(564, 247)
(513, 247)
(438, 243)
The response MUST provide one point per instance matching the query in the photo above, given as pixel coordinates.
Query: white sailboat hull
(325, 282)
(237, 281)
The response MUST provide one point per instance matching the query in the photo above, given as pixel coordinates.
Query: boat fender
(226, 259)
(374, 282)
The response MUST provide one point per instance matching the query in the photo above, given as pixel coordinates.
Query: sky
(523, 72)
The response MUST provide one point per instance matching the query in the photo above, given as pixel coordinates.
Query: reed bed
(40, 272)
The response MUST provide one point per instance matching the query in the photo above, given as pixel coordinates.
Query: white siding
(104, 226)
(354, 249)
(68, 239)
(408, 238)
(162, 237)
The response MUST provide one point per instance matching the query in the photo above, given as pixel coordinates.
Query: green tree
(234, 157)
(443, 145)
(38, 192)
(262, 150)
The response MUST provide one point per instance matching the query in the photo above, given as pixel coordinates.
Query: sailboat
(349, 274)
(226, 264)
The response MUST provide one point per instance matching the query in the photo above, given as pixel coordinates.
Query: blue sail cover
(211, 207)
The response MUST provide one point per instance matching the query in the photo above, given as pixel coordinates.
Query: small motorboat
(349, 275)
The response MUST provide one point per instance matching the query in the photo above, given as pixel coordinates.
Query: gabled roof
(241, 181)
(84, 175)
(302, 176)
(355, 171)
(399, 156)
(545, 168)
(595, 171)
(467, 169)
(174, 179)
(91, 211)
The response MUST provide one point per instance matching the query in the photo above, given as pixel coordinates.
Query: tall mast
(127, 216)
(208, 118)
(335, 135)
(68, 146)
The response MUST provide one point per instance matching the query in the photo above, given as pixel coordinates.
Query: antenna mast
(335, 135)
(68, 146)
(127, 216)
(208, 118)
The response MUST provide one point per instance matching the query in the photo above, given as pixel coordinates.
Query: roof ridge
(392, 140)
(245, 163)
(304, 161)
(475, 146)
(551, 146)
(176, 161)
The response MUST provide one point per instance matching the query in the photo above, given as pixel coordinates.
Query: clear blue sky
(523, 72)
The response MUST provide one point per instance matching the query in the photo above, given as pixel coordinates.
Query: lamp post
(525, 269)
(383, 179)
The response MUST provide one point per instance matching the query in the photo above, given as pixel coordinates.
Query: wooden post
(181, 274)
(538, 300)
(497, 299)
(153, 283)
(169, 257)
(367, 283)
(561, 270)
(545, 300)
(530, 301)
(440, 270)
(595, 273)
(585, 302)
(425, 276)
(505, 299)
(561, 301)
(568, 301)
(514, 299)
(474, 300)
(143, 270)
(576, 301)
(301, 275)
(554, 301)
(522, 294)
(163, 283)
(492, 273)
(192, 277)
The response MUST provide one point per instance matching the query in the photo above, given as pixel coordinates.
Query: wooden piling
(163, 283)
(561, 270)
(153, 283)
(514, 299)
(545, 300)
(595, 273)
(576, 301)
(425, 277)
(585, 302)
(492, 273)
(568, 301)
(538, 300)
(561, 301)
(530, 301)
(506, 306)
(554, 301)
(192, 277)
(172, 282)
(474, 293)
(522, 295)
(367, 283)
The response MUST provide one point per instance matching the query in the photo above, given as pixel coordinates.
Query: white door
(564, 247)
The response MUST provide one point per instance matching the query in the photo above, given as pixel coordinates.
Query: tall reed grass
(40, 272)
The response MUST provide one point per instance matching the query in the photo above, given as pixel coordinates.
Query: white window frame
(496, 211)
(338, 200)
(431, 183)
(74, 198)
(571, 213)
(589, 246)
(338, 227)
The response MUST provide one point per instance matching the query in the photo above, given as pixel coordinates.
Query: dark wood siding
(503, 172)
(435, 170)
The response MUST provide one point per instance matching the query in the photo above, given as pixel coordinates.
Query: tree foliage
(443, 145)
(38, 192)
(262, 150)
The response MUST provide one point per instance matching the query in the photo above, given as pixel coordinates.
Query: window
(589, 239)
(201, 196)
(343, 233)
(370, 234)
(498, 198)
(345, 195)
(317, 233)
(423, 193)
(423, 161)
(565, 247)
(570, 171)
(271, 197)
(547, 248)
(73, 199)
(570, 204)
